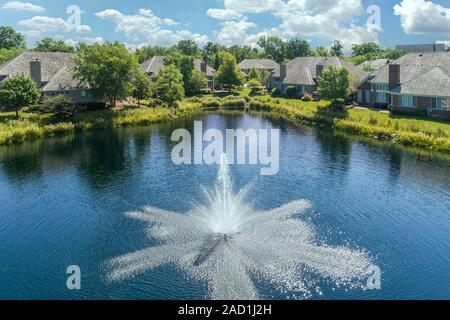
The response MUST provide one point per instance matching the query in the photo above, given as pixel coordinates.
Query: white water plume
(228, 244)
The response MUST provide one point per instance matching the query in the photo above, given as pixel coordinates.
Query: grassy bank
(421, 133)
(34, 126)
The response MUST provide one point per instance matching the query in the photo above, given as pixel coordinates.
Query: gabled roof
(64, 80)
(414, 65)
(433, 83)
(210, 72)
(51, 63)
(375, 64)
(261, 64)
(153, 65)
(302, 70)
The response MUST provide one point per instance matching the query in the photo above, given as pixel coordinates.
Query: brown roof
(302, 70)
(210, 72)
(64, 80)
(153, 65)
(261, 64)
(51, 63)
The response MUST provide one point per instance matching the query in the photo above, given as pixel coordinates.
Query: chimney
(36, 72)
(283, 71)
(394, 76)
(319, 70)
(203, 67)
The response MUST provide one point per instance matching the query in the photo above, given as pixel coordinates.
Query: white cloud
(23, 6)
(253, 6)
(87, 40)
(145, 26)
(32, 33)
(235, 32)
(49, 24)
(224, 14)
(169, 22)
(45, 24)
(422, 17)
(324, 19)
(83, 29)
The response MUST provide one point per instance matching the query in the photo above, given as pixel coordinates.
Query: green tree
(229, 74)
(264, 77)
(209, 52)
(61, 106)
(321, 52)
(18, 92)
(8, 54)
(253, 74)
(337, 49)
(142, 86)
(274, 48)
(170, 85)
(244, 52)
(334, 84)
(147, 52)
(296, 48)
(366, 48)
(107, 68)
(185, 65)
(10, 39)
(217, 61)
(198, 82)
(393, 54)
(188, 48)
(51, 45)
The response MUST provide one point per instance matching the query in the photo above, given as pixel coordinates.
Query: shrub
(338, 105)
(255, 86)
(211, 103)
(291, 92)
(61, 105)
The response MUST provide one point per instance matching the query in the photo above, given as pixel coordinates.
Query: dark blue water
(62, 203)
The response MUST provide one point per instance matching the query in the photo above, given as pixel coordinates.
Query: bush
(61, 105)
(291, 92)
(211, 103)
(338, 105)
(255, 86)
(307, 97)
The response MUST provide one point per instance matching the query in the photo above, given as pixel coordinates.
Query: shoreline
(32, 127)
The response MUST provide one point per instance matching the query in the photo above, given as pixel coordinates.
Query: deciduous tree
(107, 68)
(18, 92)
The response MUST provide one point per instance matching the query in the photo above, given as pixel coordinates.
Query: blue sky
(164, 22)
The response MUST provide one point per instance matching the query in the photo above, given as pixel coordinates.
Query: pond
(64, 201)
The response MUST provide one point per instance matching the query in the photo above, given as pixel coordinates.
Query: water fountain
(229, 244)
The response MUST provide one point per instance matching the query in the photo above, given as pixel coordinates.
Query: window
(382, 87)
(440, 103)
(382, 97)
(408, 101)
(83, 93)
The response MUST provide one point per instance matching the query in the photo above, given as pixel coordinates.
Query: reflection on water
(62, 202)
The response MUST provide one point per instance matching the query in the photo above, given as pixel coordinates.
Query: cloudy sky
(165, 22)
